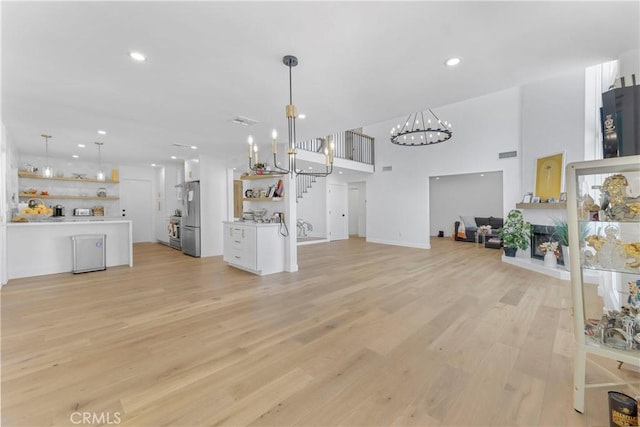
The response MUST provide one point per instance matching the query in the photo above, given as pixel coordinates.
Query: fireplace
(541, 234)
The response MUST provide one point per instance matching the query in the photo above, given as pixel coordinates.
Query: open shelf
(263, 199)
(559, 205)
(67, 196)
(29, 175)
(264, 176)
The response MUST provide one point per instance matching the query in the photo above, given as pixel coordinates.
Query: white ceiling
(65, 69)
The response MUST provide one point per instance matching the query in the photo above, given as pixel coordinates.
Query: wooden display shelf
(67, 196)
(264, 176)
(22, 174)
(263, 199)
(559, 205)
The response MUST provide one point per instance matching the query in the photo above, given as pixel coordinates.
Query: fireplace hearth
(541, 234)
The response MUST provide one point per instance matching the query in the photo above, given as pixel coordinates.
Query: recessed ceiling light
(437, 177)
(193, 147)
(302, 116)
(137, 56)
(452, 62)
(81, 145)
(340, 172)
(310, 167)
(75, 156)
(173, 157)
(481, 174)
(102, 132)
(153, 164)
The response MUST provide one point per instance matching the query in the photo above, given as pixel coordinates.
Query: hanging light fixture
(418, 131)
(100, 176)
(328, 146)
(47, 171)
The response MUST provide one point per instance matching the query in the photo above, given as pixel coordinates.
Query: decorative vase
(511, 252)
(565, 257)
(550, 260)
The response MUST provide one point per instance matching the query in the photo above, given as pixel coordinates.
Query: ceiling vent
(387, 168)
(244, 121)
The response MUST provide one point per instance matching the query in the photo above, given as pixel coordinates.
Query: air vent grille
(387, 168)
(507, 154)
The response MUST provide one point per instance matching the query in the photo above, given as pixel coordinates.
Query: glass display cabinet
(603, 205)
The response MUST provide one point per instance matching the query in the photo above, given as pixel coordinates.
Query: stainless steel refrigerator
(190, 227)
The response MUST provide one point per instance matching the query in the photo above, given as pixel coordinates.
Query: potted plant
(561, 232)
(515, 233)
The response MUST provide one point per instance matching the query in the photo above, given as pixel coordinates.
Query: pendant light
(100, 176)
(47, 171)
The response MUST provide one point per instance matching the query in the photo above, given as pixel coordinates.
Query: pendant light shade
(100, 175)
(47, 171)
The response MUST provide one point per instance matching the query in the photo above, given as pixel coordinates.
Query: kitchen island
(254, 247)
(45, 247)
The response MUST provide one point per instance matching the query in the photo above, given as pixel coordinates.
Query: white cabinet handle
(236, 241)
(236, 257)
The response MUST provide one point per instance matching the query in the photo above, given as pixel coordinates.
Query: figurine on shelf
(612, 254)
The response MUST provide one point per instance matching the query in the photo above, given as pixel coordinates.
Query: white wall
(552, 122)
(398, 201)
(213, 204)
(477, 194)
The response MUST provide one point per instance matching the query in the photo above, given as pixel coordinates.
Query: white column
(291, 245)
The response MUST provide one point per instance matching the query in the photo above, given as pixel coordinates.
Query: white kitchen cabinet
(192, 170)
(254, 247)
(604, 238)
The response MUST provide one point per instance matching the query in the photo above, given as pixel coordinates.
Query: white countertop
(252, 224)
(70, 221)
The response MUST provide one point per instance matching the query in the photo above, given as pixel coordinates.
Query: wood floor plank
(363, 334)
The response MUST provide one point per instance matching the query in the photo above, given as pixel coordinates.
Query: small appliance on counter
(82, 212)
(58, 210)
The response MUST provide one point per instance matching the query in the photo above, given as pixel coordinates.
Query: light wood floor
(363, 334)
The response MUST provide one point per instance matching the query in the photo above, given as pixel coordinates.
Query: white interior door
(338, 209)
(136, 206)
(354, 197)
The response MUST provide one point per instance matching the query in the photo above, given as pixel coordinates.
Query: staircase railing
(303, 183)
(349, 145)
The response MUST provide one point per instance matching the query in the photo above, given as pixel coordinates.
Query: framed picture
(535, 199)
(563, 197)
(527, 198)
(550, 176)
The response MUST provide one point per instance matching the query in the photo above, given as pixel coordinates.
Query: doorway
(338, 212)
(357, 209)
(472, 194)
(135, 205)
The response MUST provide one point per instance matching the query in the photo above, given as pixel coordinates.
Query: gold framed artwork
(549, 176)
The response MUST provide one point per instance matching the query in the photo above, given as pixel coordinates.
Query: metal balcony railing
(349, 145)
